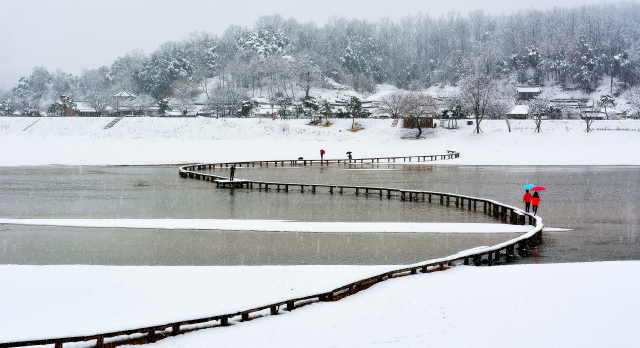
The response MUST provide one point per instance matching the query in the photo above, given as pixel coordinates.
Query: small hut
(527, 92)
(519, 112)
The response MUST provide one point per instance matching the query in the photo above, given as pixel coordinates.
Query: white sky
(77, 34)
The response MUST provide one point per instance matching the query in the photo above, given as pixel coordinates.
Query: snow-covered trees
(284, 58)
(308, 73)
(355, 110)
(416, 106)
(453, 114)
(478, 90)
(588, 66)
(284, 104)
(267, 39)
(61, 105)
(589, 114)
(313, 107)
(163, 107)
(326, 109)
(247, 106)
(226, 101)
(529, 66)
(538, 109)
(633, 97)
(6, 107)
(99, 100)
(392, 103)
(165, 66)
(605, 102)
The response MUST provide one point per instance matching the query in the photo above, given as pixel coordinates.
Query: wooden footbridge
(497, 254)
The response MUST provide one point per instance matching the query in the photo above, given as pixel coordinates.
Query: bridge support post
(510, 253)
(476, 260)
(151, 336)
(100, 342)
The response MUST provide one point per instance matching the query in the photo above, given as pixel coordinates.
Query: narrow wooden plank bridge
(502, 253)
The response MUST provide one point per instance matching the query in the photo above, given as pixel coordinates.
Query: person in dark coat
(527, 201)
(232, 171)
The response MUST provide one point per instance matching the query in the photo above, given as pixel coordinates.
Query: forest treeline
(281, 57)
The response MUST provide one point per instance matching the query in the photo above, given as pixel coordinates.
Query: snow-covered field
(62, 301)
(556, 305)
(132, 141)
(562, 305)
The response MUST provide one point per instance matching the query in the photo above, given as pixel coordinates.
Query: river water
(600, 204)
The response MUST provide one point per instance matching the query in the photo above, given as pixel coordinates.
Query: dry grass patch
(356, 127)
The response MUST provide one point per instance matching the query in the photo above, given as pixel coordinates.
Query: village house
(527, 92)
(519, 112)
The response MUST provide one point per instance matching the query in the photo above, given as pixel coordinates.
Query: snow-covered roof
(519, 110)
(84, 107)
(123, 94)
(261, 100)
(526, 89)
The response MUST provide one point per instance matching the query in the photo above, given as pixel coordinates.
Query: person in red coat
(527, 201)
(535, 200)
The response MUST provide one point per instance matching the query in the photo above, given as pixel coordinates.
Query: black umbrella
(348, 152)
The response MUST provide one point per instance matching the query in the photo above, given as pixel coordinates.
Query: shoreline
(143, 141)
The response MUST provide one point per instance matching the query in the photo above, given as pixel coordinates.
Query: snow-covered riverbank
(554, 305)
(133, 141)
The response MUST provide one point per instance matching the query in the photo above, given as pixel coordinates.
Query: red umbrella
(538, 188)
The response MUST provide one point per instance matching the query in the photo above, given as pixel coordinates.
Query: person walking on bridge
(535, 200)
(527, 201)
(232, 171)
(321, 155)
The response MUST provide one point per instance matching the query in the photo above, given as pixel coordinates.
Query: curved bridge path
(478, 256)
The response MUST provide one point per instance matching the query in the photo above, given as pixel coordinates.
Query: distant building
(83, 109)
(69, 112)
(527, 92)
(595, 114)
(519, 112)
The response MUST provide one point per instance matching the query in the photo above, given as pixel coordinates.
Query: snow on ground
(277, 225)
(552, 305)
(62, 301)
(144, 140)
(549, 305)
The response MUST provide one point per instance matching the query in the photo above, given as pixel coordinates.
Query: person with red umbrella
(535, 199)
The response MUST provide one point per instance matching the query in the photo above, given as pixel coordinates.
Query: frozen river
(599, 203)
